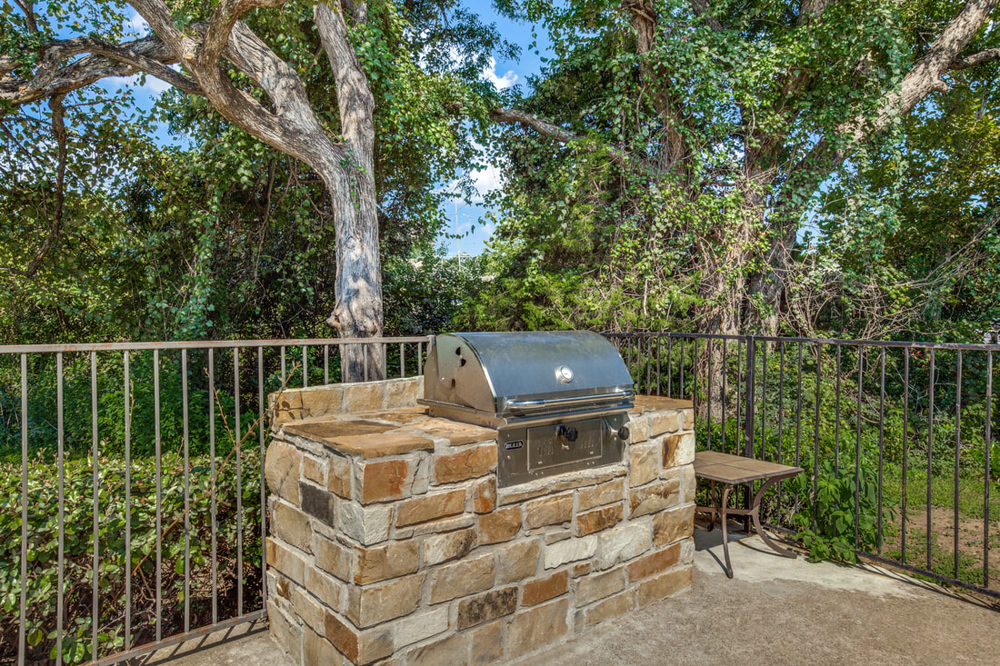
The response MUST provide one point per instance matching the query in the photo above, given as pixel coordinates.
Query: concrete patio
(775, 610)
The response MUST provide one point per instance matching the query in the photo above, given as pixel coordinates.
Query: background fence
(141, 464)
(896, 439)
(142, 467)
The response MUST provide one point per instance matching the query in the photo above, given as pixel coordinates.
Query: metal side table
(730, 471)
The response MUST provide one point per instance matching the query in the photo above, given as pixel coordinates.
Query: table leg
(725, 530)
(711, 524)
(755, 515)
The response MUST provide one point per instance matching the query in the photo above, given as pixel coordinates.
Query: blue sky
(505, 73)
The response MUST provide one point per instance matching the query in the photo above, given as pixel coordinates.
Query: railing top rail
(203, 344)
(824, 341)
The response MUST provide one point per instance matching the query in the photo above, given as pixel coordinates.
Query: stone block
(601, 494)
(665, 422)
(364, 397)
(654, 497)
(687, 551)
(644, 464)
(570, 550)
(318, 503)
(281, 468)
(322, 400)
(444, 547)
(339, 476)
(567, 481)
(403, 392)
(462, 578)
(365, 524)
(430, 507)
(689, 483)
(598, 519)
(397, 558)
(638, 429)
(669, 526)
(581, 569)
(543, 589)
(466, 464)
(500, 525)
(372, 604)
(689, 418)
(664, 585)
(549, 511)
(457, 434)
(314, 470)
(326, 588)
(291, 526)
(421, 474)
(610, 608)
(451, 651)
(282, 587)
(385, 480)
(287, 561)
(678, 449)
(487, 606)
(654, 563)
(487, 644)
(380, 445)
(419, 627)
(285, 632)
(287, 407)
(484, 495)
(535, 628)
(556, 535)
(517, 561)
(334, 558)
(623, 543)
(308, 608)
(317, 651)
(599, 586)
(361, 647)
(451, 524)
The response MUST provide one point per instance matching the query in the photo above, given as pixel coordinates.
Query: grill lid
(526, 374)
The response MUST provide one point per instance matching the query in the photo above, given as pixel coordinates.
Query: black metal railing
(896, 439)
(132, 498)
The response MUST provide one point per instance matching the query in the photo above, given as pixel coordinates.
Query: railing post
(748, 425)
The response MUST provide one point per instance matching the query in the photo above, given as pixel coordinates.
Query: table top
(727, 468)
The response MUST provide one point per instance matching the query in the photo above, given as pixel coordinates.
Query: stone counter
(391, 542)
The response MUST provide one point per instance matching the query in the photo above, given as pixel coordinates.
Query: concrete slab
(243, 645)
(783, 611)
(775, 610)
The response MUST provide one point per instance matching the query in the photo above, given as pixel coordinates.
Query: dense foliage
(710, 183)
(212, 234)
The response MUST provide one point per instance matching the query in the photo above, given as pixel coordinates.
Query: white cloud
(486, 180)
(136, 26)
(506, 80)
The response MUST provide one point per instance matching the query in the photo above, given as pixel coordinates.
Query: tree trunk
(358, 311)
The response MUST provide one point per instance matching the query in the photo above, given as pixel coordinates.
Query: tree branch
(545, 128)
(52, 78)
(980, 58)
(221, 25)
(701, 10)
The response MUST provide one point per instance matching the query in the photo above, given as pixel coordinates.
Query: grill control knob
(564, 374)
(569, 433)
(623, 433)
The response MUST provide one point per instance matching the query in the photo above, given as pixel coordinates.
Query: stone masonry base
(392, 544)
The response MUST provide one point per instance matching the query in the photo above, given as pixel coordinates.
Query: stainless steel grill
(558, 399)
